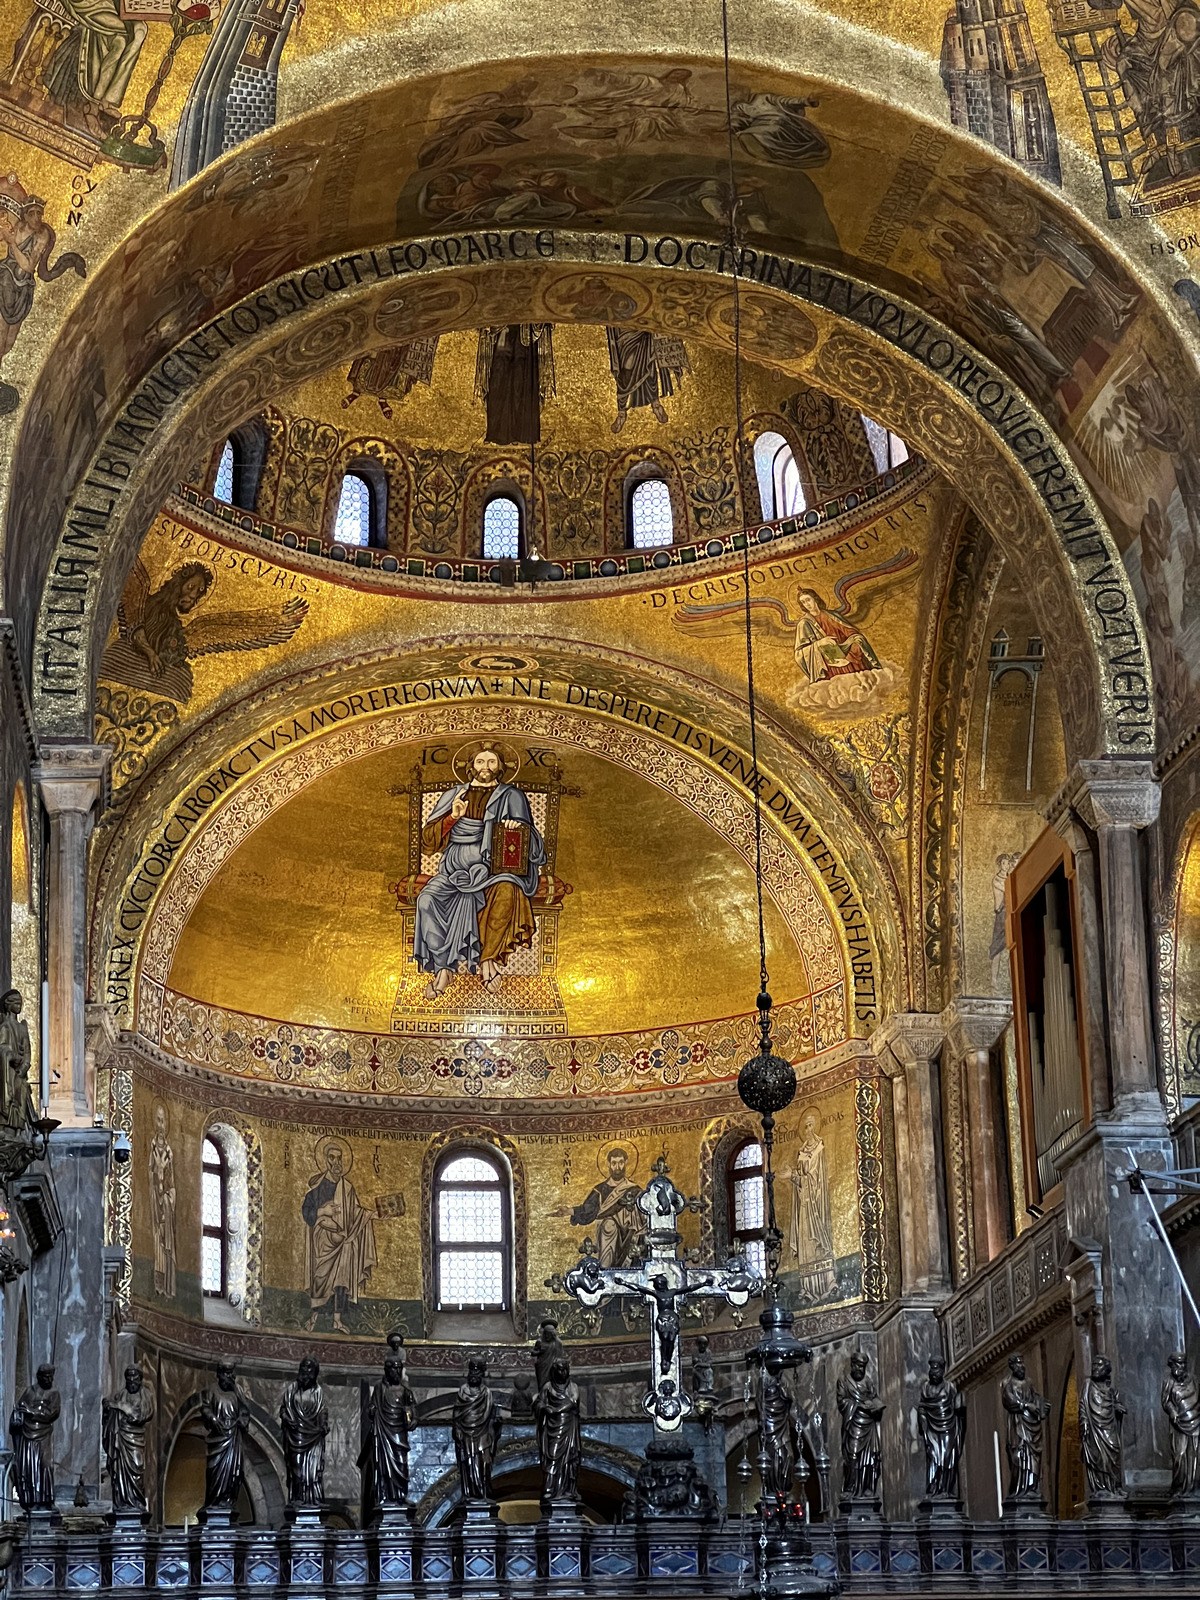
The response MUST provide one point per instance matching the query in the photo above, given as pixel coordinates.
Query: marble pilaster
(73, 781)
(909, 1046)
(973, 1025)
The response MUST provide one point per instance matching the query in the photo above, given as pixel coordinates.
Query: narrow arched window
(223, 484)
(747, 1204)
(779, 488)
(352, 524)
(888, 449)
(502, 529)
(472, 1233)
(214, 1220)
(651, 522)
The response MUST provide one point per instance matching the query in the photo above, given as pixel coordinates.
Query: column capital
(911, 1036)
(100, 1034)
(73, 777)
(975, 1022)
(1106, 794)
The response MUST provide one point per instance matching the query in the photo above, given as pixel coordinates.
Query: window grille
(747, 1205)
(223, 485)
(888, 449)
(352, 525)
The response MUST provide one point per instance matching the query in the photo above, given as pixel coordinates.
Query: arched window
(223, 484)
(779, 486)
(651, 522)
(888, 449)
(352, 524)
(502, 529)
(472, 1233)
(214, 1220)
(747, 1204)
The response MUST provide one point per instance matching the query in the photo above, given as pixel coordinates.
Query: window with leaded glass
(352, 523)
(779, 488)
(747, 1204)
(887, 448)
(502, 529)
(651, 522)
(472, 1233)
(214, 1219)
(223, 486)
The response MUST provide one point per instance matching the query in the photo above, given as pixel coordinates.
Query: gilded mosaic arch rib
(1076, 563)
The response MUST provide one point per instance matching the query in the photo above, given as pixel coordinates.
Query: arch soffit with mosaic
(1074, 569)
(796, 886)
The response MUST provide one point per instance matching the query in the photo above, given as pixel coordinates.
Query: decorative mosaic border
(611, 566)
(552, 1068)
(729, 813)
(872, 1238)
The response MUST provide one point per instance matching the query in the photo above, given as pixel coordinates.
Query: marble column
(973, 1025)
(908, 1046)
(73, 781)
(72, 1307)
(1128, 1297)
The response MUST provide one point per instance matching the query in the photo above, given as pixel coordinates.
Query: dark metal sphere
(767, 1084)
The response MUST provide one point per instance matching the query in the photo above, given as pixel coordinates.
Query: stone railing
(1117, 1556)
(206, 515)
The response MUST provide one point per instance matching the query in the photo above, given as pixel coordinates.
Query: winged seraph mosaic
(157, 639)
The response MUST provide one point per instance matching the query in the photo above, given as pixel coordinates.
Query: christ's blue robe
(448, 907)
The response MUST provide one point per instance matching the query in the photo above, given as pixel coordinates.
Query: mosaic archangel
(838, 667)
(154, 644)
(477, 908)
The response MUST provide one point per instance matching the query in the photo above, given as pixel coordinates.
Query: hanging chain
(734, 207)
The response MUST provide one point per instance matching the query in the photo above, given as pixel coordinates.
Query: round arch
(805, 874)
(271, 329)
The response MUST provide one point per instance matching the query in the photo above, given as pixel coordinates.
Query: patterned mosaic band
(548, 1068)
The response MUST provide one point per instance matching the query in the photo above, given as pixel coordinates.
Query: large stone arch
(822, 822)
(978, 425)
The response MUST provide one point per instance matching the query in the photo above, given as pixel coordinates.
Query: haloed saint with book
(476, 909)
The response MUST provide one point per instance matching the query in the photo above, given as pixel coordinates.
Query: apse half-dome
(644, 918)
